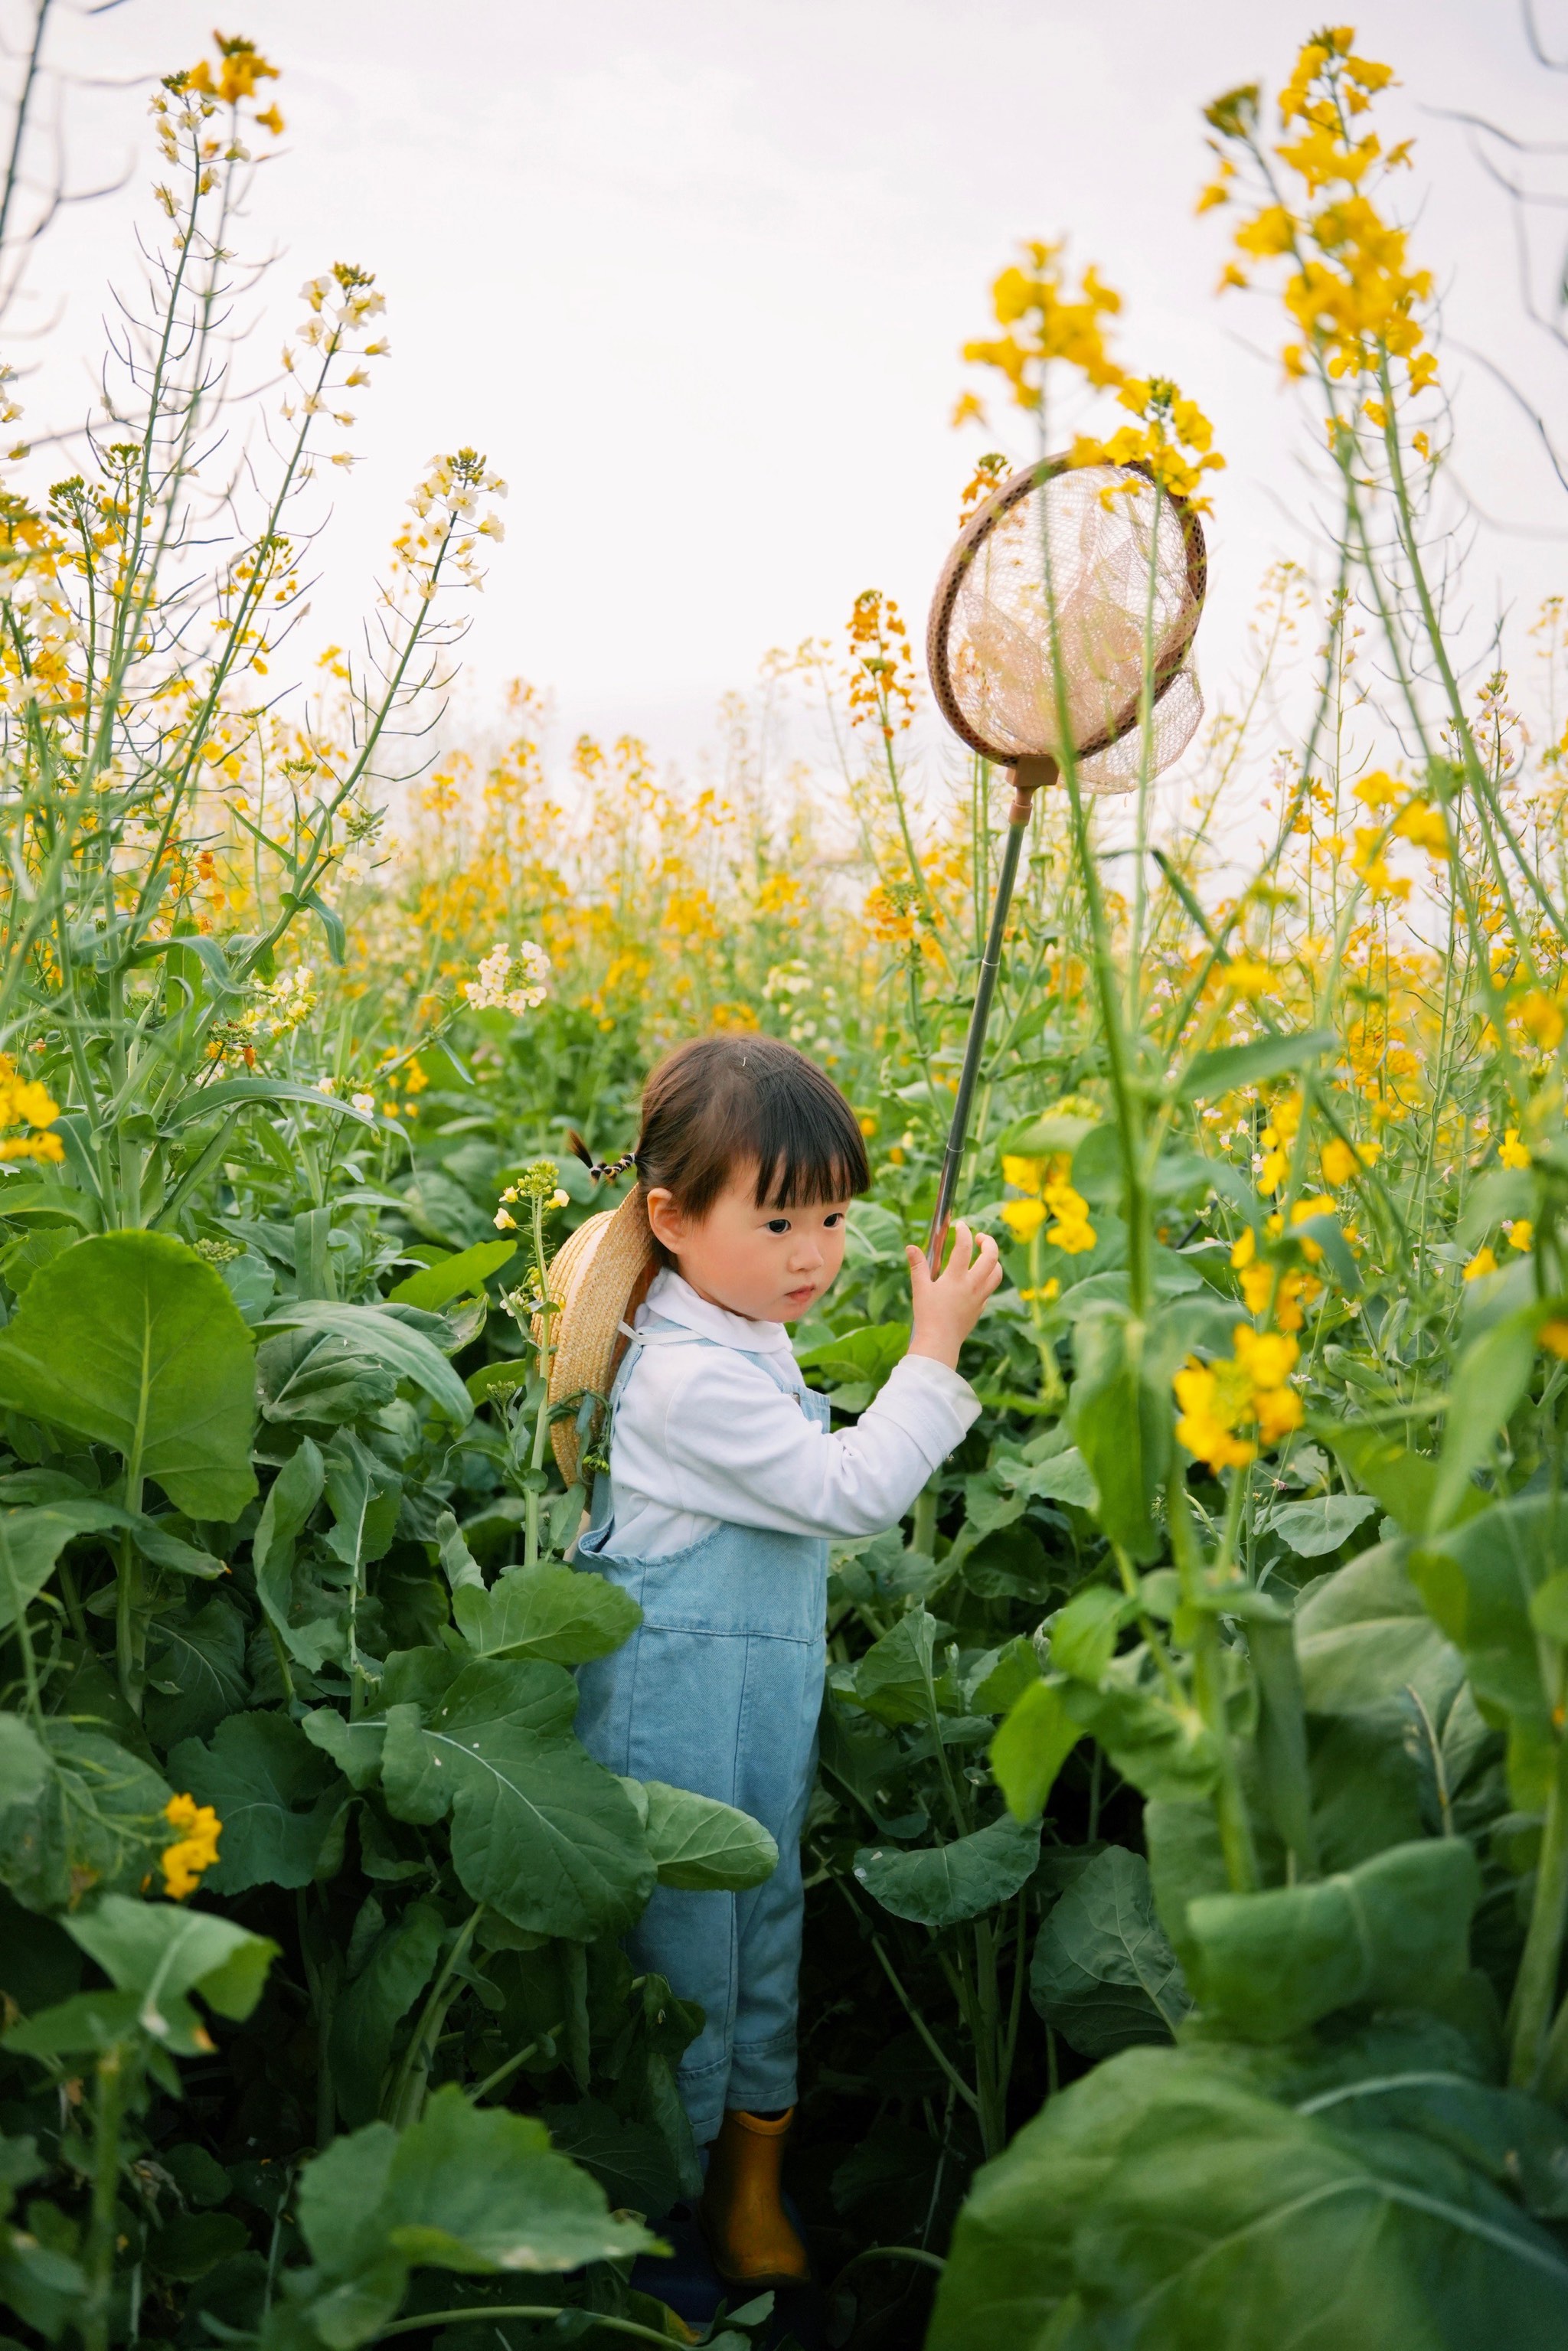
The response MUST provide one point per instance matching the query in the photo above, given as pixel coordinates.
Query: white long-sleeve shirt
(702, 1436)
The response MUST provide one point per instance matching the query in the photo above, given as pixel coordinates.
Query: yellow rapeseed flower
(1483, 1262)
(1510, 1151)
(194, 1850)
(1023, 1218)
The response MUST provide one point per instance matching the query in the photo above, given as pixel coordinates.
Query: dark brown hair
(715, 1104)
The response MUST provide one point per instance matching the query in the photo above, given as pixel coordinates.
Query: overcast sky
(694, 274)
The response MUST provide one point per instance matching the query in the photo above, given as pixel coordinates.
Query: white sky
(694, 274)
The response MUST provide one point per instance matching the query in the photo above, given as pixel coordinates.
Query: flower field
(1188, 1876)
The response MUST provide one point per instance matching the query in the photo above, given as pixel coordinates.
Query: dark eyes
(781, 1224)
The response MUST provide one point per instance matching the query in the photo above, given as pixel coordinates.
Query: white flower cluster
(283, 1005)
(491, 990)
(448, 526)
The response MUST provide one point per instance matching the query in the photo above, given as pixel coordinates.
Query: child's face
(768, 1263)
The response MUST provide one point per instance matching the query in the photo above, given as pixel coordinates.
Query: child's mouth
(801, 1297)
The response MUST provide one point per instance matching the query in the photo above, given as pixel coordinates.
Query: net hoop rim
(968, 545)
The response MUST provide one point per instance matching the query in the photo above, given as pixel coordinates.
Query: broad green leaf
(858, 1360)
(895, 1679)
(132, 1339)
(1031, 1747)
(24, 1763)
(85, 2024)
(1224, 1071)
(354, 1747)
(565, 1615)
(1064, 1477)
(702, 1845)
(1165, 1751)
(396, 1970)
(31, 1541)
(363, 1495)
(1490, 1378)
(456, 1276)
(193, 2244)
(276, 1793)
(1002, 1675)
(492, 1379)
(473, 2189)
(195, 1671)
(1185, 1860)
(1161, 2205)
(1122, 1423)
(290, 1499)
(539, 1829)
(1549, 1608)
(1394, 1931)
(94, 1821)
(630, 2160)
(162, 1953)
(941, 1884)
(1477, 1581)
(1364, 1635)
(1313, 1528)
(379, 1332)
(1083, 1636)
(1103, 1974)
(319, 1378)
(1405, 1483)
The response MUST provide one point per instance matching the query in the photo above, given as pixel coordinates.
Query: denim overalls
(718, 1690)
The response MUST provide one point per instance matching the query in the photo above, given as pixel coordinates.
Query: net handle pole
(1029, 776)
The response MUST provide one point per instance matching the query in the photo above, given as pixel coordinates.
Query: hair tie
(601, 1170)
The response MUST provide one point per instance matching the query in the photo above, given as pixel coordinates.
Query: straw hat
(597, 1279)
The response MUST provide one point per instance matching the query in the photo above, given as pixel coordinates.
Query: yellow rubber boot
(749, 2234)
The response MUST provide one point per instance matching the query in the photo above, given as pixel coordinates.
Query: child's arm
(700, 1430)
(948, 1308)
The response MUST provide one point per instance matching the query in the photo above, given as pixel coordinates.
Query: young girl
(724, 1486)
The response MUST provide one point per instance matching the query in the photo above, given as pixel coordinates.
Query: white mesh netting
(998, 634)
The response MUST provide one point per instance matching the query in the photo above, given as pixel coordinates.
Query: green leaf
(162, 1954)
(364, 1495)
(319, 1378)
(453, 1276)
(861, 1358)
(88, 2023)
(94, 1821)
(1163, 1749)
(1122, 1424)
(277, 1794)
(1161, 2205)
(565, 1615)
(224, 1092)
(32, 1540)
(191, 2244)
(1031, 1746)
(1405, 1483)
(894, 1680)
(1477, 1581)
(539, 1829)
(23, 1764)
(1311, 1530)
(1209, 1075)
(702, 1845)
(629, 2159)
(378, 1331)
(396, 1970)
(511, 1376)
(132, 1339)
(1002, 1675)
(1083, 1635)
(1103, 1974)
(473, 2189)
(290, 1499)
(1364, 1635)
(1394, 1931)
(1490, 1378)
(195, 1671)
(941, 1884)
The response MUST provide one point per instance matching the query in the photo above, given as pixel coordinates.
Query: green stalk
(115, 2081)
(1535, 1988)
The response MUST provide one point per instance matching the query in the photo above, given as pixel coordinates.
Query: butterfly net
(1089, 543)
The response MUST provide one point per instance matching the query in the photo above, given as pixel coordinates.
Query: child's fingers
(919, 1271)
